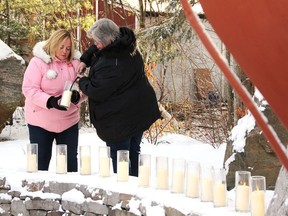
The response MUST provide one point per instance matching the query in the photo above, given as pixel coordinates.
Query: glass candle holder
(192, 179)
(258, 186)
(122, 165)
(61, 158)
(85, 160)
(162, 174)
(219, 188)
(178, 175)
(206, 184)
(144, 170)
(32, 157)
(104, 161)
(66, 95)
(243, 191)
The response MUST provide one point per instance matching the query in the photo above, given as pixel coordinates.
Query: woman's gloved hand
(75, 97)
(53, 103)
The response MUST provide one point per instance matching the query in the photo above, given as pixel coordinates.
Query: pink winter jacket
(44, 78)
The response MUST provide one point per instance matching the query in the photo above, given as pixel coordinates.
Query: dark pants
(45, 140)
(133, 145)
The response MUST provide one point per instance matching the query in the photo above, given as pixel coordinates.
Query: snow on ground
(13, 164)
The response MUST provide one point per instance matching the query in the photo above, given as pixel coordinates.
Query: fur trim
(51, 74)
(39, 52)
(77, 55)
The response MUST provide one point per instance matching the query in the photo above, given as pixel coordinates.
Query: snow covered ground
(13, 163)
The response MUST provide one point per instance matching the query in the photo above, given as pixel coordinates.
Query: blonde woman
(54, 62)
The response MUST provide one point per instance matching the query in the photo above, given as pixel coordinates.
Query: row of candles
(188, 177)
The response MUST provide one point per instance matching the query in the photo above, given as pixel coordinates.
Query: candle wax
(258, 203)
(104, 166)
(61, 165)
(31, 163)
(178, 182)
(219, 195)
(162, 178)
(86, 165)
(206, 190)
(192, 186)
(144, 176)
(122, 171)
(242, 198)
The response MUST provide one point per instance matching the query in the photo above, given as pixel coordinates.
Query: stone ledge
(45, 193)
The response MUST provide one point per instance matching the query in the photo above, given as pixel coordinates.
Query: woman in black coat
(122, 103)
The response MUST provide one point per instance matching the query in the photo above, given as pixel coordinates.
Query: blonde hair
(54, 41)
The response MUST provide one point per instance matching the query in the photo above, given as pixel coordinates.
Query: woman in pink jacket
(54, 62)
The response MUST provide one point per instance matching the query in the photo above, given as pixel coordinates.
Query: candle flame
(257, 188)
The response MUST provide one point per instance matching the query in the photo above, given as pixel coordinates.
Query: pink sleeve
(31, 86)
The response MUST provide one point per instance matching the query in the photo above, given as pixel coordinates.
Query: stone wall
(49, 194)
(42, 199)
(44, 194)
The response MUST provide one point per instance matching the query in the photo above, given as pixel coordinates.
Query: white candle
(86, 165)
(258, 203)
(219, 195)
(162, 178)
(123, 171)
(61, 166)
(31, 163)
(206, 190)
(104, 166)
(144, 176)
(193, 186)
(66, 98)
(178, 182)
(242, 198)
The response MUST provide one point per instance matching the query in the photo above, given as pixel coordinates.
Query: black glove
(53, 103)
(75, 97)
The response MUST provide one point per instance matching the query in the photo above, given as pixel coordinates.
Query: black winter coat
(122, 102)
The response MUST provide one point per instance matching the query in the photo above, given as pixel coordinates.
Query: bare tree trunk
(230, 96)
(142, 14)
(105, 8)
(124, 13)
(83, 113)
(168, 116)
(78, 31)
(239, 106)
(161, 84)
(111, 10)
(8, 22)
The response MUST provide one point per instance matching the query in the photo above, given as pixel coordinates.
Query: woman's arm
(86, 59)
(88, 56)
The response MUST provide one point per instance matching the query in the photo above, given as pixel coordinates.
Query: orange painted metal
(256, 34)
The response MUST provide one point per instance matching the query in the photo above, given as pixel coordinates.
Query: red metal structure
(122, 16)
(255, 32)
